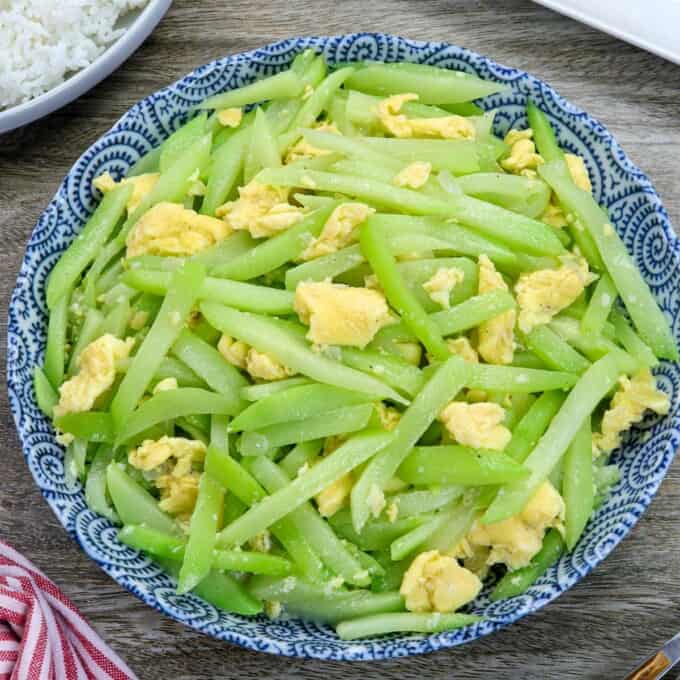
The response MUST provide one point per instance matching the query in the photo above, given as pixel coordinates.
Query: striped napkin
(42, 634)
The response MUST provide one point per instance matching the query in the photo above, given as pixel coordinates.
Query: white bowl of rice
(55, 50)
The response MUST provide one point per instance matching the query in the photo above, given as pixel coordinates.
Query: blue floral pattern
(635, 210)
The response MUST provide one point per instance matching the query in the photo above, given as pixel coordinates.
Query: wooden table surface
(598, 629)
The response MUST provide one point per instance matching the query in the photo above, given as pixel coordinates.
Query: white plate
(653, 25)
(138, 24)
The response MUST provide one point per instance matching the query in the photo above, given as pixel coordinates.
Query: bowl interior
(635, 210)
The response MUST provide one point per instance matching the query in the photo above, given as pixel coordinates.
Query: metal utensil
(658, 664)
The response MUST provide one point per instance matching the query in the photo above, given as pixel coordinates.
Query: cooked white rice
(43, 41)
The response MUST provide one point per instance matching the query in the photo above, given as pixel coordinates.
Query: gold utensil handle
(651, 668)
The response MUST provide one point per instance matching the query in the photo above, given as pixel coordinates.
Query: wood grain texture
(602, 627)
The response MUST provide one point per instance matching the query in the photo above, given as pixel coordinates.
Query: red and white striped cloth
(42, 634)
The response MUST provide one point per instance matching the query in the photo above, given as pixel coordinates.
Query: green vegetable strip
(381, 624)
(391, 369)
(89, 331)
(146, 163)
(202, 533)
(95, 485)
(592, 387)
(320, 603)
(632, 342)
(275, 252)
(515, 230)
(411, 541)
(134, 504)
(87, 244)
(511, 379)
(266, 336)
(177, 369)
(353, 148)
(93, 426)
(280, 86)
(116, 321)
(227, 163)
(297, 403)
(152, 541)
(266, 389)
(310, 524)
(169, 404)
(262, 143)
(458, 319)
(376, 250)
(577, 484)
(459, 521)
(442, 387)
(412, 503)
(544, 136)
(432, 85)
(304, 452)
(554, 351)
(241, 484)
(458, 465)
(599, 306)
(352, 453)
(343, 420)
(245, 296)
(325, 267)
(182, 294)
(638, 299)
(180, 140)
(209, 364)
(45, 395)
(376, 534)
(55, 350)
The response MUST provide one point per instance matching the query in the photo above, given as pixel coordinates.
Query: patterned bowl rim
(377, 648)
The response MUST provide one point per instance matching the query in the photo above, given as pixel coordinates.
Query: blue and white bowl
(635, 210)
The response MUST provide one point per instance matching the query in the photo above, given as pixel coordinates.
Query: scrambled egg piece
(173, 458)
(376, 500)
(141, 186)
(410, 351)
(445, 127)
(414, 175)
(635, 396)
(230, 117)
(165, 385)
(392, 512)
(554, 216)
(172, 229)
(546, 292)
(496, 336)
(303, 149)
(339, 314)
(523, 159)
(515, 540)
(138, 320)
(389, 417)
(261, 542)
(260, 209)
(339, 230)
(258, 364)
(477, 425)
(96, 373)
(437, 583)
(463, 348)
(578, 171)
(334, 496)
(440, 285)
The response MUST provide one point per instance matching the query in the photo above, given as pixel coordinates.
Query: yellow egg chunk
(544, 293)
(399, 125)
(303, 149)
(496, 336)
(442, 282)
(261, 542)
(150, 454)
(339, 230)
(376, 500)
(414, 175)
(554, 216)
(437, 583)
(230, 117)
(463, 348)
(389, 417)
(578, 171)
(634, 396)
(339, 314)
(515, 540)
(261, 209)
(265, 366)
(96, 373)
(477, 425)
(172, 229)
(234, 351)
(178, 494)
(523, 159)
(165, 385)
(334, 496)
(141, 186)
